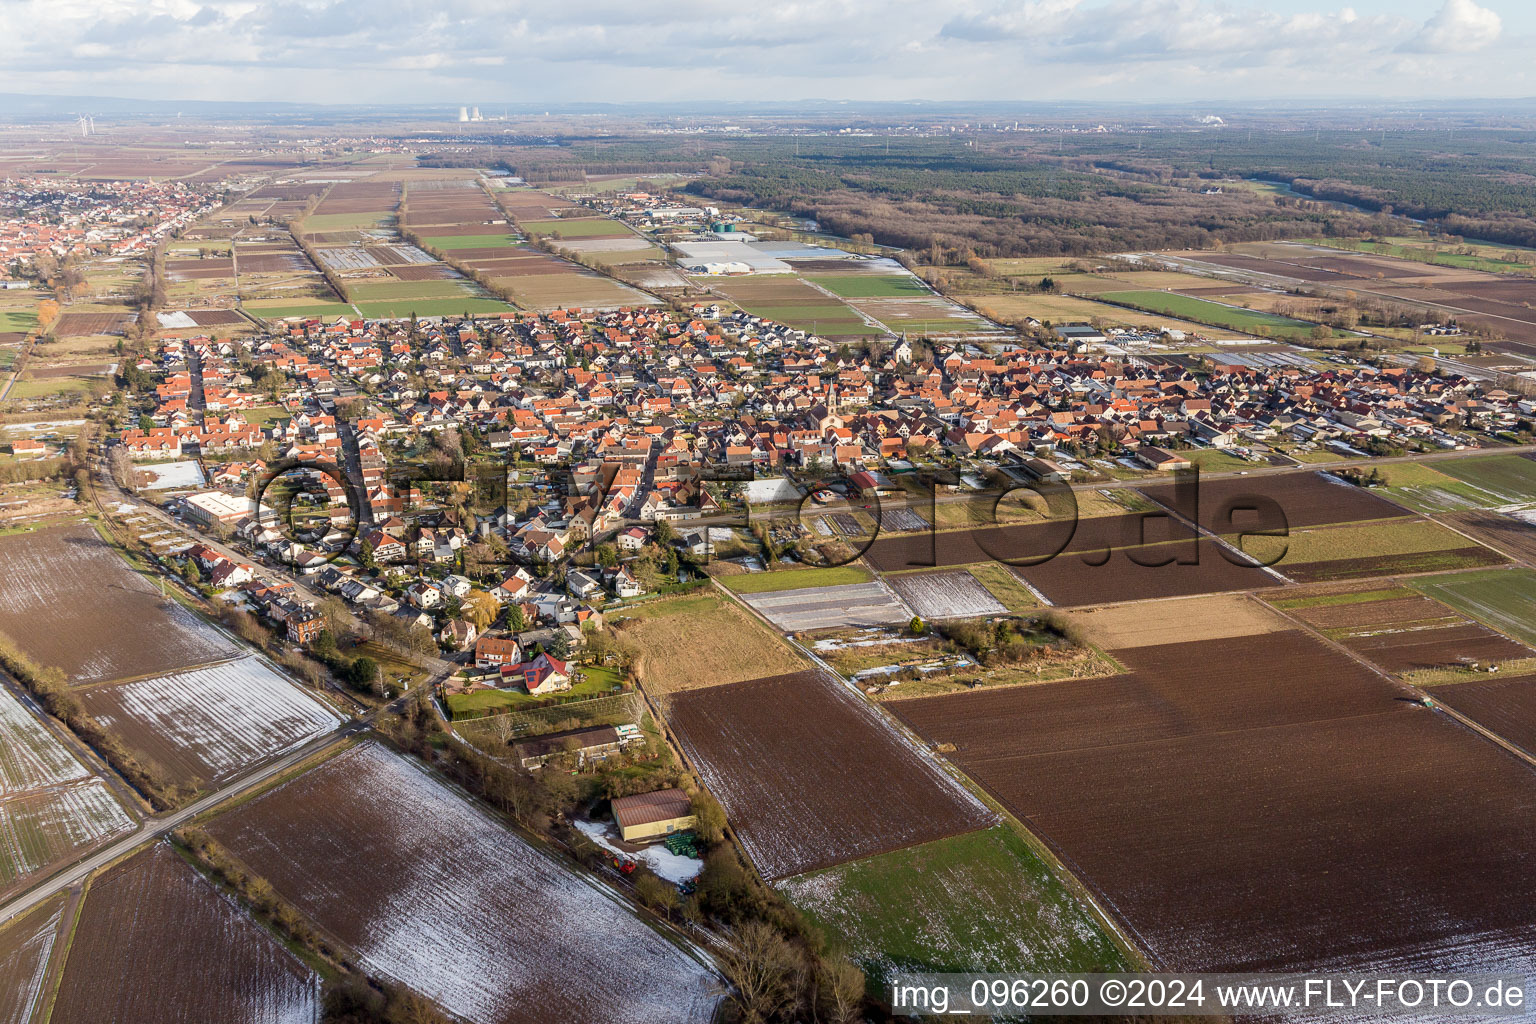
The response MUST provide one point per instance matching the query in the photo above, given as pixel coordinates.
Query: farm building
(1162, 459)
(1086, 334)
(594, 742)
(648, 815)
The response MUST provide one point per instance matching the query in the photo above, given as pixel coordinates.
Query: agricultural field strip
(212, 722)
(1319, 744)
(127, 630)
(50, 804)
(456, 906)
(157, 941)
(851, 604)
(812, 775)
(26, 951)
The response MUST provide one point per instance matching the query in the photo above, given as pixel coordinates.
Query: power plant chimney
(463, 113)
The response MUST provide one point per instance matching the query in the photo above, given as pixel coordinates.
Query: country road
(154, 828)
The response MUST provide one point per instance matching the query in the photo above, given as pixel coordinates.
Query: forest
(1073, 193)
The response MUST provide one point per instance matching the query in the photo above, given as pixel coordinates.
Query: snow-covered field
(432, 892)
(30, 756)
(210, 723)
(50, 805)
(25, 947)
(853, 604)
(171, 476)
(38, 829)
(946, 595)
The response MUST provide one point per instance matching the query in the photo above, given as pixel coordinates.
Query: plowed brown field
(156, 942)
(810, 775)
(1262, 804)
(70, 601)
(1305, 499)
(1504, 706)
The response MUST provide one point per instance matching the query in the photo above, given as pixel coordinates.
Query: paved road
(154, 828)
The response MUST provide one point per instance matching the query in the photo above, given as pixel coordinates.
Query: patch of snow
(671, 866)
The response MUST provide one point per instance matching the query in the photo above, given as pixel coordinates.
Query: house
(633, 539)
(304, 627)
(458, 634)
(650, 815)
(623, 582)
(494, 652)
(28, 448)
(582, 584)
(543, 674)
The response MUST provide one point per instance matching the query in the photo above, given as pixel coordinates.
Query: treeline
(990, 204)
(37, 469)
(351, 996)
(50, 686)
(781, 968)
(1469, 182)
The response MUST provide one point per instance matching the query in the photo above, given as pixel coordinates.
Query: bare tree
(765, 970)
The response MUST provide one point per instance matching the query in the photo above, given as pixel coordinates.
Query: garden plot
(857, 604)
(431, 892)
(810, 775)
(209, 724)
(946, 595)
(900, 519)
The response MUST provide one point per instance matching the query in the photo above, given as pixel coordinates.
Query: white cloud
(549, 51)
(1461, 26)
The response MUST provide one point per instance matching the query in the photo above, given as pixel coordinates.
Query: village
(55, 219)
(499, 483)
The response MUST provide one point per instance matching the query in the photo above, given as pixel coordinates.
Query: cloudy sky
(551, 51)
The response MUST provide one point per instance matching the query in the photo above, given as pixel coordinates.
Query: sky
(521, 52)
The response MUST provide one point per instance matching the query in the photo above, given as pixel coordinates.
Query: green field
(372, 290)
(1454, 484)
(580, 227)
(818, 319)
(404, 308)
(1214, 460)
(976, 902)
(326, 310)
(863, 286)
(1504, 598)
(448, 242)
(12, 321)
(1355, 540)
(795, 579)
(1423, 253)
(1187, 307)
(342, 221)
(261, 415)
(599, 682)
(1002, 584)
